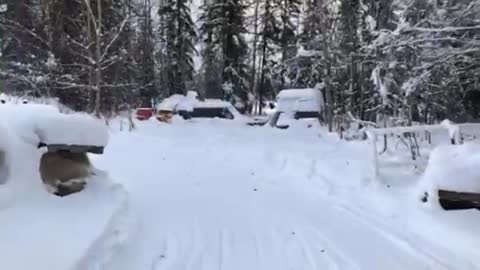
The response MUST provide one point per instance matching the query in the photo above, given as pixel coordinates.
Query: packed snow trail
(210, 198)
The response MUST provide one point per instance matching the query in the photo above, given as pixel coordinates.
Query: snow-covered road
(219, 196)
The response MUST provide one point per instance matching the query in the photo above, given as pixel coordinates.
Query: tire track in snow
(195, 259)
(397, 238)
(227, 246)
(339, 260)
(306, 251)
(374, 235)
(319, 258)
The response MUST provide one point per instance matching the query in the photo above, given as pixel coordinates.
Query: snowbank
(454, 168)
(116, 233)
(45, 232)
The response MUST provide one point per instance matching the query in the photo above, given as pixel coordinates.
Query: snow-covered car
(144, 113)
(452, 177)
(190, 107)
(303, 107)
(210, 108)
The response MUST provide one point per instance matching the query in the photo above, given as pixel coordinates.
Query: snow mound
(453, 168)
(57, 233)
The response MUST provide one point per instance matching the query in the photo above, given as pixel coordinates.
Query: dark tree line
(395, 61)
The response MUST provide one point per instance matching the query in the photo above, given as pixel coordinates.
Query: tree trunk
(98, 55)
(328, 86)
(254, 56)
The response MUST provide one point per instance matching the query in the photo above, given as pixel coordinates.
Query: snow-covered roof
(308, 99)
(39, 123)
(72, 129)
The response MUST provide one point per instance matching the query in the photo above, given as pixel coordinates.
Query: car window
(302, 115)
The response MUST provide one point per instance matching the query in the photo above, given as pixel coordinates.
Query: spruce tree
(223, 30)
(179, 35)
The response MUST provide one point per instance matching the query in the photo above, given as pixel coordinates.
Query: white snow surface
(220, 195)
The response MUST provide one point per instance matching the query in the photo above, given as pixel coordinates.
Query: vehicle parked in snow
(298, 106)
(210, 108)
(168, 107)
(451, 178)
(190, 107)
(144, 113)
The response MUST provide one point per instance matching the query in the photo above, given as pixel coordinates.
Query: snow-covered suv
(298, 107)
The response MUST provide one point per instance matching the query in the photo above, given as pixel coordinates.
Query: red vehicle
(144, 113)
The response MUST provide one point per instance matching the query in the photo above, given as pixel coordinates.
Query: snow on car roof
(298, 93)
(302, 100)
(178, 102)
(169, 103)
(212, 103)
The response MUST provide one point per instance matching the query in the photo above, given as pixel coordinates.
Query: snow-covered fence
(417, 142)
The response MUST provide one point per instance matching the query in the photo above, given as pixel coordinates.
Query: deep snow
(39, 230)
(216, 194)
